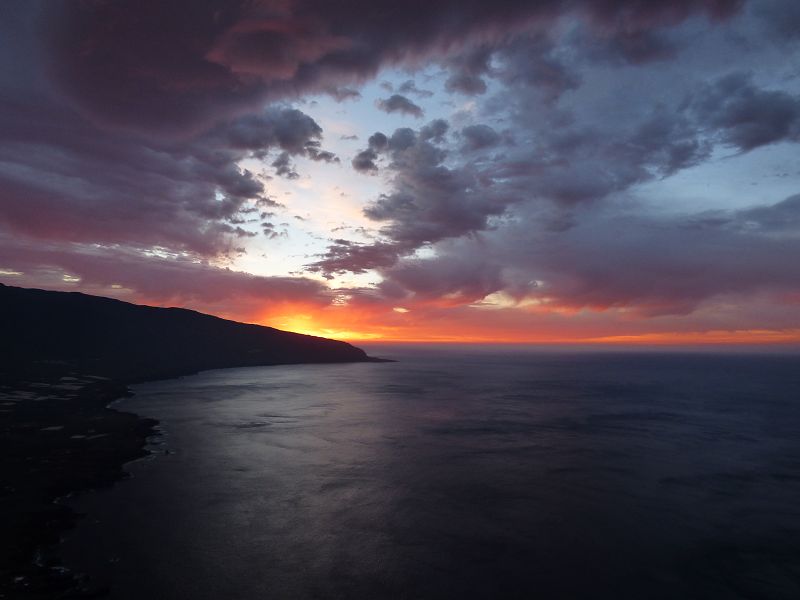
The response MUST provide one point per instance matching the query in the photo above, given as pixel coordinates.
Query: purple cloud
(399, 104)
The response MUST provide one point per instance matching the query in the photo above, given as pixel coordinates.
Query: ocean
(460, 473)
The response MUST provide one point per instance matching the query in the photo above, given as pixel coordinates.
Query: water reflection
(463, 475)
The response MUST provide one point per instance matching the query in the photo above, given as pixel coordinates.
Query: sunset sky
(459, 170)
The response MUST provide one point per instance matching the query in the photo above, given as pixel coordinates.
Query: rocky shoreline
(57, 437)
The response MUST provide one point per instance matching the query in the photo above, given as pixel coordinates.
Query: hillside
(96, 335)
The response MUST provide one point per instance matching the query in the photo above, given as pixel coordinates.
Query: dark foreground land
(63, 358)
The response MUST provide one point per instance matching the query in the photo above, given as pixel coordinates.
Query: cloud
(467, 71)
(410, 87)
(345, 256)
(559, 162)
(634, 47)
(436, 195)
(534, 61)
(477, 137)
(399, 104)
(746, 116)
(781, 17)
(435, 131)
(286, 128)
(469, 85)
(134, 276)
(340, 94)
(648, 264)
(170, 69)
(128, 126)
(428, 201)
(283, 166)
(107, 187)
(365, 161)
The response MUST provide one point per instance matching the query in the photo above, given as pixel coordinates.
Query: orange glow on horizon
(427, 322)
(384, 324)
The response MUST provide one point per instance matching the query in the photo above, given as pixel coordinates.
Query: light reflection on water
(462, 474)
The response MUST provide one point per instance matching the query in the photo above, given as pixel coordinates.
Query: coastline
(58, 437)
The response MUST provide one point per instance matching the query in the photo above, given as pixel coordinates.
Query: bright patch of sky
(327, 199)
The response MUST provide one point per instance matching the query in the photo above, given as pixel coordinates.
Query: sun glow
(425, 324)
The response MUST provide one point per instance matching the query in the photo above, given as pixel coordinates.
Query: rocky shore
(57, 437)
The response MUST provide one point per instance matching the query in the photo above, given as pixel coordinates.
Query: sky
(553, 171)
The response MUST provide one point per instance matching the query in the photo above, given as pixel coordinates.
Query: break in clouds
(543, 154)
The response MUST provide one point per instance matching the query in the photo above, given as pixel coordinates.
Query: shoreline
(58, 438)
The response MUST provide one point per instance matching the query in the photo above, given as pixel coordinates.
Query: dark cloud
(467, 71)
(365, 161)
(533, 61)
(102, 186)
(435, 131)
(314, 152)
(783, 217)
(782, 18)
(651, 265)
(401, 139)
(746, 116)
(340, 94)
(345, 256)
(637, 47)
(638, 16)
(283, 166)
(378, 141)
(463, 83)
(179, 67)
(399, 104)
(173, 67)
(410, 87)
(461, 279)
(477, 137)
(286, 128)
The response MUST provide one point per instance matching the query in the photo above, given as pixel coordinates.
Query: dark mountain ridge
(103, 336)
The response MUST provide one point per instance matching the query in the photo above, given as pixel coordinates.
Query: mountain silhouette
(112, 338)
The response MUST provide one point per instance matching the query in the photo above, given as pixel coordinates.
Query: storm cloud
(178, 66)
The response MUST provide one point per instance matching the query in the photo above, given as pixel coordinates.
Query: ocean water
(471, 473)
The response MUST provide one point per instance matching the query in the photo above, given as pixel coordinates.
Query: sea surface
(461, 473)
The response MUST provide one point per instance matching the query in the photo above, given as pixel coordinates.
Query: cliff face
(96, 335)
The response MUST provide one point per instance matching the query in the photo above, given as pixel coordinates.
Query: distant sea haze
(461, 474)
